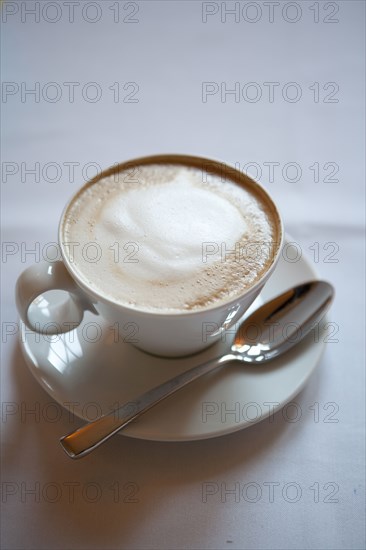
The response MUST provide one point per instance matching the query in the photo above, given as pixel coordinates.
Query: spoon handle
(89, 437)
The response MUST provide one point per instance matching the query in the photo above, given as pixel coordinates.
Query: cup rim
(196, 161)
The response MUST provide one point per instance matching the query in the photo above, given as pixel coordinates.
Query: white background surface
(169, 52)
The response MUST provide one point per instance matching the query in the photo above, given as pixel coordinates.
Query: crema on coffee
(168, 237)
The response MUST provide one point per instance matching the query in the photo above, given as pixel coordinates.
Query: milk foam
(167, 240)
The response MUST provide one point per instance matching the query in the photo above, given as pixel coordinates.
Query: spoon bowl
(282, 322)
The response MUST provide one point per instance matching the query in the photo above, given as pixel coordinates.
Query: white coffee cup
(157, 332)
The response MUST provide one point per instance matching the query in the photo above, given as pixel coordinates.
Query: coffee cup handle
(40, 278)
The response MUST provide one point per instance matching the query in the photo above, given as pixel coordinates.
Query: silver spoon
(270, 331)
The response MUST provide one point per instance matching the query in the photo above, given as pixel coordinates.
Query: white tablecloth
(275, 88)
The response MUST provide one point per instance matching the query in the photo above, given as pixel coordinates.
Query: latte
(170, 237)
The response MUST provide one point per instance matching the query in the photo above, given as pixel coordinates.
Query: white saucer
(93, 377)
